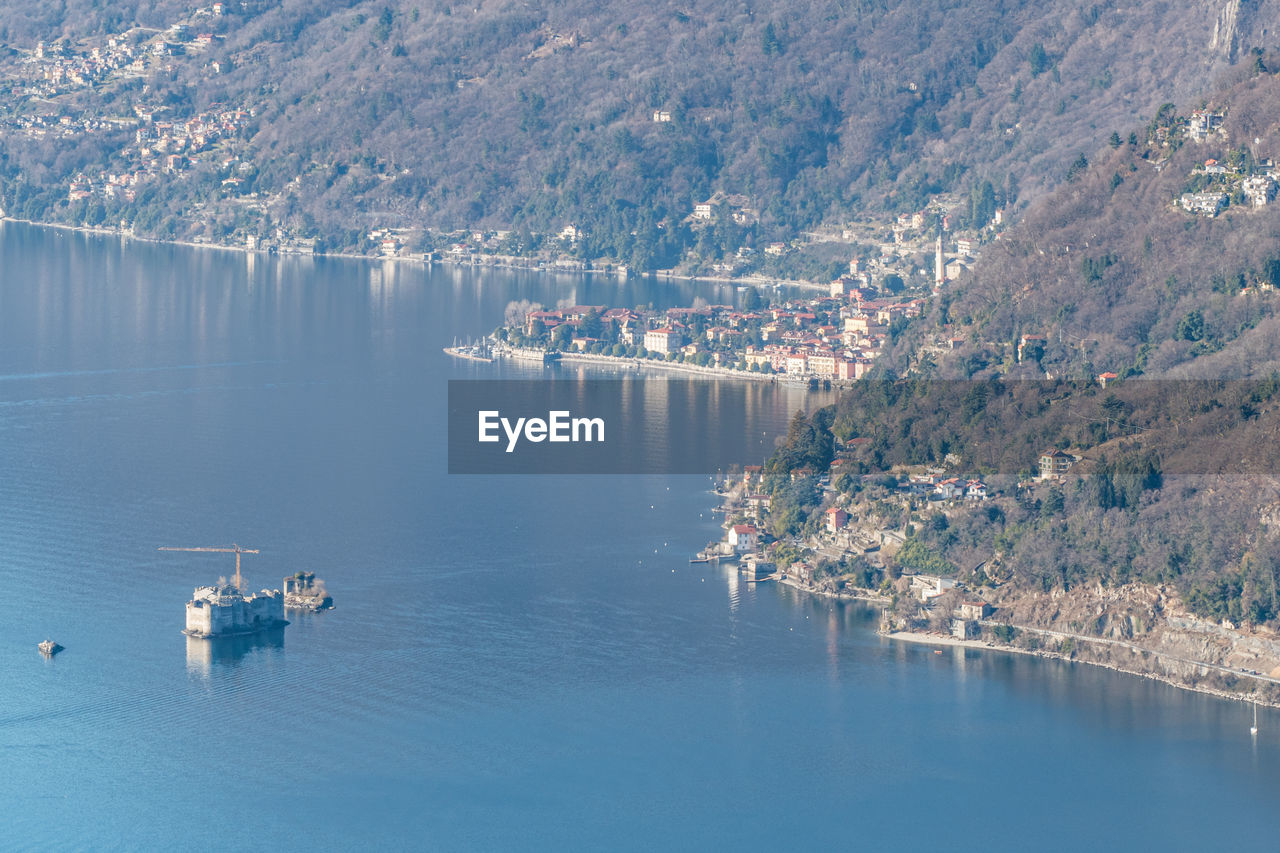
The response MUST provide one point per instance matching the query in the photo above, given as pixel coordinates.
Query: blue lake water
(514, 662)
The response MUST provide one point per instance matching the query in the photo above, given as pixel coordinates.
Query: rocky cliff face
(1127, 612)
(1143, 629)
(1223, 42)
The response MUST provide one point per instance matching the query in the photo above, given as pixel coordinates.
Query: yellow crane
(234, 549)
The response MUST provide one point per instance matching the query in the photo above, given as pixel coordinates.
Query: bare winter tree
(518, 310)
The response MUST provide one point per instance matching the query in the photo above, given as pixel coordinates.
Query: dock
(471, 353)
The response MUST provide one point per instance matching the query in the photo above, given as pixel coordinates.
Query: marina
(479, 351)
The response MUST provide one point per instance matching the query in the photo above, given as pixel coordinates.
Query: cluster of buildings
(945, 488)
(64, 126)
(58, 68)
(390, 241)
(831, 337)
(840, 536)
(1225, 182)
(54, 69)
(1200, 126)
(164, 147)
(737, 206)
(170, 142)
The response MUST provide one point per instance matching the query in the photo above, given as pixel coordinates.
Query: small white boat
(49, 647)
(1253, 730)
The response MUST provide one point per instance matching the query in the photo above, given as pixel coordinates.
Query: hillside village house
(1202, 123)
(1205, 204)
(974, 609)
(1055, 463)
(1259, 190)
(836, 519)
(758, 503)
(949, 488)
(1029, 343)
(931, 586)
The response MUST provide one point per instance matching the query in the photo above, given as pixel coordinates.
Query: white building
(931, 586)
(663, 341)
(743, 538)
(1259, 191)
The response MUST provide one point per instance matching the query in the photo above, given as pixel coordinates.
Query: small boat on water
(49, 648)
(1253, 730)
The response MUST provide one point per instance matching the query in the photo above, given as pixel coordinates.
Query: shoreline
(939, 639)
(930, 639)
(532, 266)
(865, 596)
(632, 365)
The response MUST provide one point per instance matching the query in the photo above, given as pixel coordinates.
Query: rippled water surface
(514, 662)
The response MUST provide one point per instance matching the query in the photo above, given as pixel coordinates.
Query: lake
(521, 662)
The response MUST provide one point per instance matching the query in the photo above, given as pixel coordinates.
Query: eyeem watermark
(633, 425)
(557, 427)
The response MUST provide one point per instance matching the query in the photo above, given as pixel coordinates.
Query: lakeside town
(832, 338)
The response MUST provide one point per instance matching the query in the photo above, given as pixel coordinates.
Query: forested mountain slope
(1116, 275)
(536, 115)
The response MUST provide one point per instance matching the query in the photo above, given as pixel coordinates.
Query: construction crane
(234, 549)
